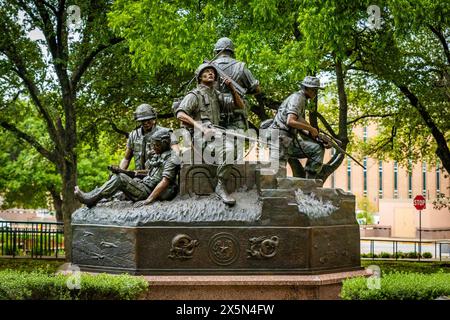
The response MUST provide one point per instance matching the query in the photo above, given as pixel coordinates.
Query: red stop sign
(419, 202)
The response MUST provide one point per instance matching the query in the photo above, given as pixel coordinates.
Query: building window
(380, 179)
(349, 174)
(395, 180)
(424, 179)
(365, 176)
(438, 179)
(410, 179)
(365, 134)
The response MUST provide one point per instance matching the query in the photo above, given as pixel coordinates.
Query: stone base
(261, 287)
(287, 226)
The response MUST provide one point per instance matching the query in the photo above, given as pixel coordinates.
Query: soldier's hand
(327, 144)
(228, 83)
(314, 132)
(208, 131)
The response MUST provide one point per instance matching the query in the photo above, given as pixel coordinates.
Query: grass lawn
(25, 264)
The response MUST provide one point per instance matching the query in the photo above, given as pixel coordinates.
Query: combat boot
(222, 193)
(91, 198)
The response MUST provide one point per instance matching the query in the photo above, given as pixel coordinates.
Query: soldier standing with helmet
(236, 70)
(200, 109)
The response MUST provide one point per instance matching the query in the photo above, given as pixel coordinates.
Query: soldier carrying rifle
(290, 120)
(244, 81)
(200, 109)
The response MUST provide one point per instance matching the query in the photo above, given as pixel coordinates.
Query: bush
(389, 266)
(399, 286)
(412, 255)
(400, 255)
(385, 255)
(427, 255)
(40, 285)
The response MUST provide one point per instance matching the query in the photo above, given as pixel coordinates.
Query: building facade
(391, 188)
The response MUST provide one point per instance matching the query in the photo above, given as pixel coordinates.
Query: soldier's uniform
(138, 142)
(236, 70)
(160, 166)
(204, 105)
(291, 144)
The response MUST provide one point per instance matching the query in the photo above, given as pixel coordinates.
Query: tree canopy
(67, 96)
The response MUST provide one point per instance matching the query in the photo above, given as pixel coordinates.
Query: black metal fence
(377, 247)
(31, 239)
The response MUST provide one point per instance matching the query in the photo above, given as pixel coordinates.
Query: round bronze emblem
(223, 249)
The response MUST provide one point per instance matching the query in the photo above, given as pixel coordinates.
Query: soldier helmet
(202, 67)
(162, 136)
(144, 112)
(224, 44)
(311, 82)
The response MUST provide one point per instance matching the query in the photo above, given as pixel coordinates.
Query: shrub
(389, 266)
(412, 255)
(385, 255)
(40, 285)
(427, 255)
(400, 255)
(370, 255)
(399, 286)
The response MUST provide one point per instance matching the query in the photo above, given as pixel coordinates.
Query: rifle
(223, 75)
(223, 131)
(326, 139)
(132, 174)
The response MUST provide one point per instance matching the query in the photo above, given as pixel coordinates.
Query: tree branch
(31, 140)
(443, 41)
(89, 58)
(370, 116)
(383, 143)
(22, 72)
(442, 151)
(51, 7)
(326, 125)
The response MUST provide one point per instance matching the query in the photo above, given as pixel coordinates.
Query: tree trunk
(57, 203)
(337, 159)
(69, 203)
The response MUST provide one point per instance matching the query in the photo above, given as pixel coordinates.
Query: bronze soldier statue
(159, 184)
(138, 145)
(290, 121)
(236, 70)
(200, 109)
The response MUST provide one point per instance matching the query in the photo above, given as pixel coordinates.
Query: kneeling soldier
(160, 184)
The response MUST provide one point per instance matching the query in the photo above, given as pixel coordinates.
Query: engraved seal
(223, 249)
